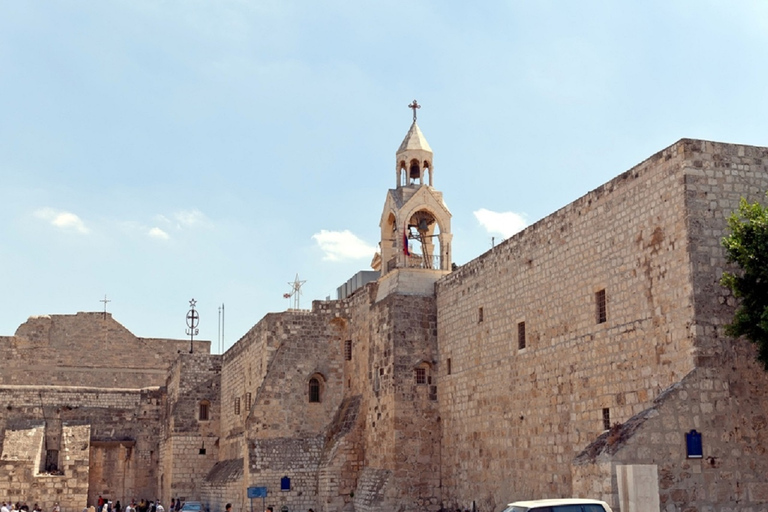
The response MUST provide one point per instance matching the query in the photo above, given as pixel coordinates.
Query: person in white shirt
(159, 507)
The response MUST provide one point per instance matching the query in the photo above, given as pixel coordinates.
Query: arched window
(314, 390)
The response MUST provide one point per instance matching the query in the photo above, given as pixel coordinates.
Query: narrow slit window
(480, 315)
(448, 365)
(314, 390)
(601, 314)
(237, 406)
(247, 401)
(348, 350)
(606, 418)
(521, 335)
(203, 411)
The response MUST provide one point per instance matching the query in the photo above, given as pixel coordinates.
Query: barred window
(237, 406)
(203, 411)
(247, 401)
(600, 311)
(348, 350)
(606, 419)
(521, 335)
(421, 375)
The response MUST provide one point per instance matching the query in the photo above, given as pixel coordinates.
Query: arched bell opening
(402, 174)
(414, 172)
(428, 168)
(423, 240)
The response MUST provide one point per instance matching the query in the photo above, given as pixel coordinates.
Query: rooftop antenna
(221, 328)
(105, 301)
(295, 292)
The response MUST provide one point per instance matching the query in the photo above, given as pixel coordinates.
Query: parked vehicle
(192, 506)
(559, 505)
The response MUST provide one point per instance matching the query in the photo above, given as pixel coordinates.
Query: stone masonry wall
(400, 440)
(727, 405)
(190, 442)
(513, 418)
(124, 428)
(23, 480)
(54, 346)
(285, 431)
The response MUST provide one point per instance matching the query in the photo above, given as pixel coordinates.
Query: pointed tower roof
(414, 140)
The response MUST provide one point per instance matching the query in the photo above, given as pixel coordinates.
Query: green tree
(747, 246)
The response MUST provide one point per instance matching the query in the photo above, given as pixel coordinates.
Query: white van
(559, 505)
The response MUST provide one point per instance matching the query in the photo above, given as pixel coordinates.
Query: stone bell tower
(415, 224)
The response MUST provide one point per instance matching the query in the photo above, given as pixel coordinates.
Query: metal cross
(193, 320)
(105, 300)
(413, 106)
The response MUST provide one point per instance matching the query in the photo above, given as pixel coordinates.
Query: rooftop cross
(105, 300)
(414, 106)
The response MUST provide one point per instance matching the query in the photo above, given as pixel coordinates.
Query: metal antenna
(295, 292)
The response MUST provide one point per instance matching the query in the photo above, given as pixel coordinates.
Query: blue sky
(159, 151)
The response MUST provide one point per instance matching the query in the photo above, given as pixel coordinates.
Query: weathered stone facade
(567, 361)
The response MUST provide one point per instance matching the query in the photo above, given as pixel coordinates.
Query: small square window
(520, 335)
(600, 312)
(421, 375)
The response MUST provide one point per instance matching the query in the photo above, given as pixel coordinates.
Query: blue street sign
(257, 492)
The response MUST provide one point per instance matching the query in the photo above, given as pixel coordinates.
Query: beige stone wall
(21, 475)
(401, 458)
(55, 346)
(727, 406)
(124, 426)
(512, 418)
(190, 445)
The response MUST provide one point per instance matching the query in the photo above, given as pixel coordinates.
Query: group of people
(105, 505)
(21, 506)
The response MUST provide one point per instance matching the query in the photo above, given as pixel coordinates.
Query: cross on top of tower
(413, 106)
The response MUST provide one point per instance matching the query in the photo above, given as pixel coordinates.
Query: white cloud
(191, 218)
(342, 245)
(65, 221)
(158, 233)
(505, 224)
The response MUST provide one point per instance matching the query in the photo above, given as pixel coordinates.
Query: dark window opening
(600, 305)
(51, 461)
(348, 350)
(314, 390)
(606, 419)
(421, 375)
(203, 413)
(480, 315)
(237, 406)
(521, 335)
(448, 365)
(247, 401)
